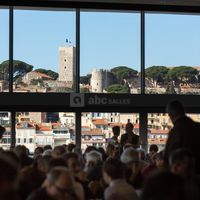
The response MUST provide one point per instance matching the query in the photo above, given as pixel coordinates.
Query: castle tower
(101, 79)
(67, 64)
(96, 81)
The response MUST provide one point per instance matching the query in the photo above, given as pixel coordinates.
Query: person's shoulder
(39, 194)
(123, 135)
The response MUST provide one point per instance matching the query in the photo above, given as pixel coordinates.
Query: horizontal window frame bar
(61, 102)
(101, 5)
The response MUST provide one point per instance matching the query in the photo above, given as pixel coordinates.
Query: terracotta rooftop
(96, 131)
(100, 121)
(115, 124)
(42, 75)
(156, 131)
(41, 127)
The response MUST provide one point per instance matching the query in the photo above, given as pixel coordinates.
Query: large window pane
(97, 127)
(172, 54)
(5, 121)
(159, 125)
(4, 50)
(44, 51)
(110, 52)
(34, 129)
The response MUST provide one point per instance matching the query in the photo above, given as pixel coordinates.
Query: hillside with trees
(157, 74)
(183, 74)
(123, 72)
(20, 68)
(118, 88)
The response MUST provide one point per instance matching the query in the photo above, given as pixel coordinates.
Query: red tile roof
(42, 75)
(100, 121)
(159, 131)
(96, 131)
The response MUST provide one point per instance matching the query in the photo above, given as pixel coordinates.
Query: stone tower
(67, 64)
(101, 79)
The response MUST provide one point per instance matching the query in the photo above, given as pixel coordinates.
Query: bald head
(175, 110)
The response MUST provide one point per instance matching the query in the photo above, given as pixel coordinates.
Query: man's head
(112, 169)
(59, 183)
(129, 127)
(153, 148)
(93, 158)
(38, 152)
(182, 162)
(58, 152)
(2, 130)
(72, 162)
(129, 157)
(175, 110)
(116, 131)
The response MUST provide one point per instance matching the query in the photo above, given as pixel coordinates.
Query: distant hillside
(123, 72)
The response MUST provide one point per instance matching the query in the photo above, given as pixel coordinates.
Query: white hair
(47, 152)
(93, 156)
(129, 155)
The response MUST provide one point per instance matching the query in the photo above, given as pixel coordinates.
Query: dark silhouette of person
(129, 137)
(184, 134)
(2, 130)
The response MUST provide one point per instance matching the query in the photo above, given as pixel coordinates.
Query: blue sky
(107, 39)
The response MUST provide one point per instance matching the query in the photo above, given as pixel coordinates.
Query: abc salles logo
(77, 100)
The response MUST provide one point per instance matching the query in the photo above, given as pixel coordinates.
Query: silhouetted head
(175, 110)
(116, 130)
(2, 130)
(129, 127)
(182, 162)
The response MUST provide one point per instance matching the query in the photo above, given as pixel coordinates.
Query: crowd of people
(123, 171)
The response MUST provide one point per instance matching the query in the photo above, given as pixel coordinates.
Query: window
(5, 121)
(4, 50)
(158, 128)
(42, 42)
(45, 128)
(110, 52)
(172, 53)
(96, 131)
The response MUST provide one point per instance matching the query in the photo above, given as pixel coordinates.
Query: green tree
(117, 88)
(85, 79)
(183, 74)
(157, 73)
(19, 69)
(123, 72)
(50, 73)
